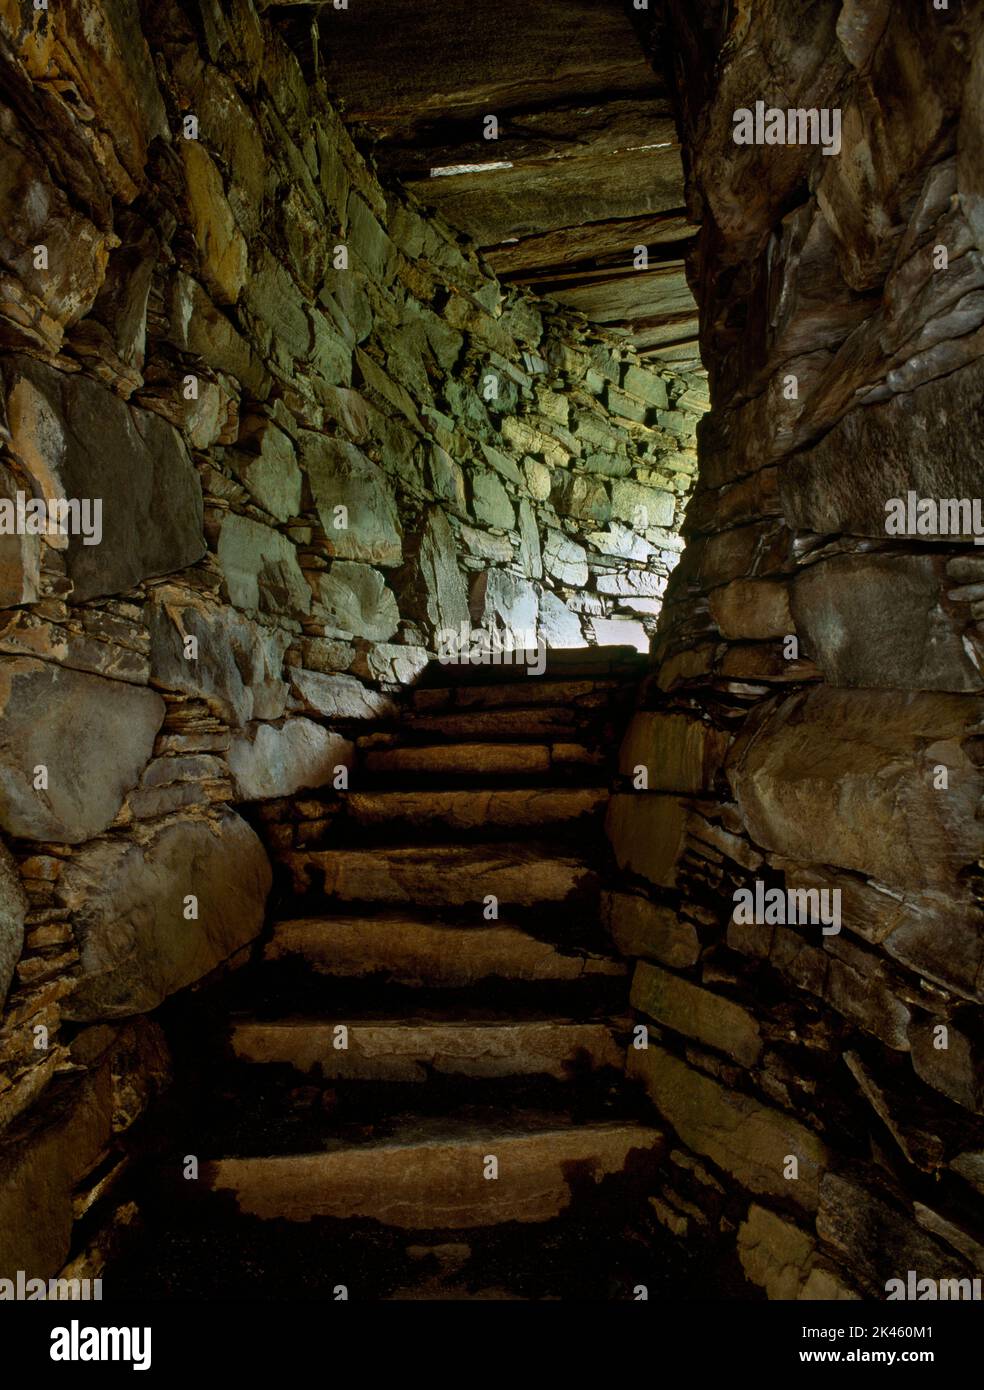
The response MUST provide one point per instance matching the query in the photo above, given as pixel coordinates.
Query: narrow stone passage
(427, 1055)
(343, 345)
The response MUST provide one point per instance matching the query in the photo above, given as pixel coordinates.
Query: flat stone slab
(475, 810)
(412, 952)
(497, 759)
(438, 1182)
(411, 1050)
(535, 691)
(92, 736)
(544, 723)
(445, 875)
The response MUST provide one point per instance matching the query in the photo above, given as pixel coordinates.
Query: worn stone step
(587, 695)
(546, 723)
(414, 1049)
(409, 951)
(434, 1178)
(478, 759)
(444, 875)
(475, 810)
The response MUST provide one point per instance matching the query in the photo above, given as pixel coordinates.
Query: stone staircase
(425, 1063)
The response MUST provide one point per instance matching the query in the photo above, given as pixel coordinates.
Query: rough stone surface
(449, 875)
(260, 568)
(641, 928)
(678, 754)
(93, 737)
(303, 477)
(447, 597)
(782, 1259)
(75, 439)
(238, 664)
(220, 243)
(358, 602)
(129, 901)
(342, 477)
(884, 451)
(474, 810)
(13, 909)
(838, 653)
(267, 760)
(880, 1241)
(752, 609)
(685, 1008)
(846, 778)
(880, 621)
(416, 953)
(647, 835)
(402, 1051)
(742, 1136)
(535, 1186)
(125, 1068)
(338, 697)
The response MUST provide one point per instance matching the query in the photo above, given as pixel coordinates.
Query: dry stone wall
(813, 719)
(320, 431)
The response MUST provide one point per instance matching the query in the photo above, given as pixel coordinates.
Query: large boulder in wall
(76, 439)
(129, 900)
(92, 736)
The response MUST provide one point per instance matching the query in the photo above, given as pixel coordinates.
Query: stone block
(445, 597)
(647, 834)
(642, 507)
(490, 501)
(782, 1259)
(880, 621)
(270, 761)
(565, 560)
(341, 476)
(43, 1165)
(239, 665)
(357, 601)
(129, 900)
(680, 754)
(506, 602)
(220, 243)
(78, 440)
(261, 568)
(846, 778)
(642, 928)
(884, 451)
(743, 1136)
(92, 736)
(752, 609)
(694, 1012)
(875, 1240)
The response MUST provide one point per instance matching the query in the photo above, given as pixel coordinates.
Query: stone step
(409, 951)
(413, 1049)
(434, 1177)
(479, 810)
(589, 696)
(543, 724)
(444, 875)
(477, 759)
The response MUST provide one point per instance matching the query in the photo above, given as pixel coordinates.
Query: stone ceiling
(593, 164)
